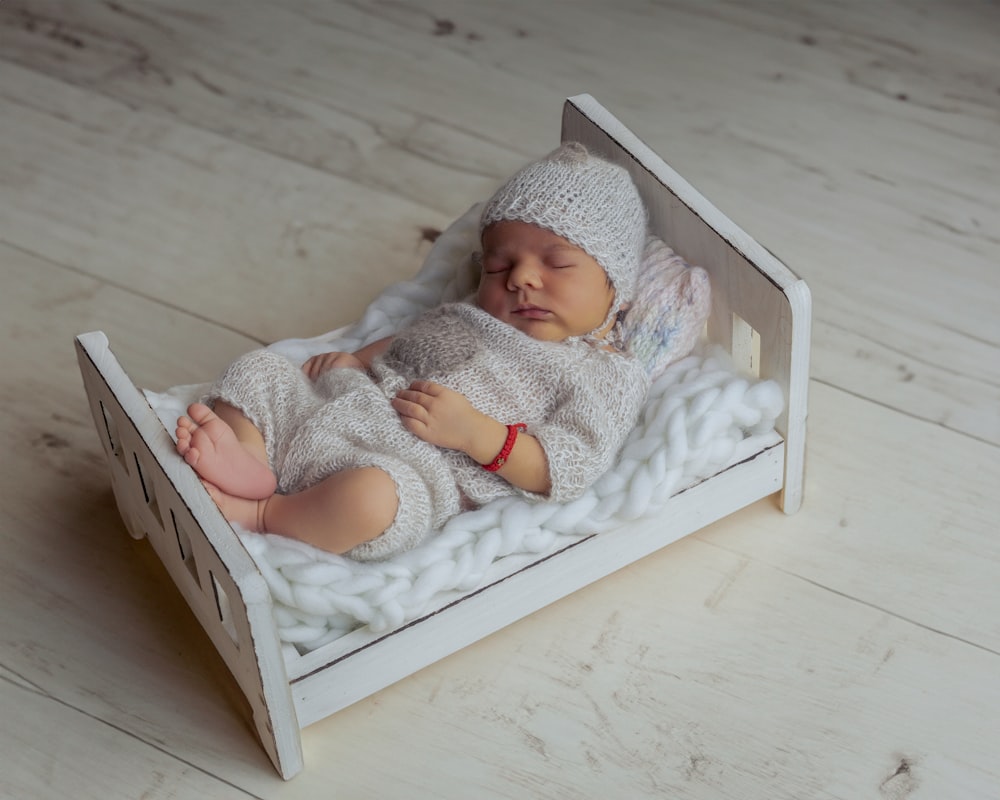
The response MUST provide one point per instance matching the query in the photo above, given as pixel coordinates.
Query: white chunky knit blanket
(701, 415)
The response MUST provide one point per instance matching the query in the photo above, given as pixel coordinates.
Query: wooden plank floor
(195, 177)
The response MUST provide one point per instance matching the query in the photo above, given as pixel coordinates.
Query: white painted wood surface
(153, 156)
(163, 503)
(753, 294)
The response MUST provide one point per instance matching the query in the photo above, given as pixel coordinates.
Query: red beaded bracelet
(508, 445)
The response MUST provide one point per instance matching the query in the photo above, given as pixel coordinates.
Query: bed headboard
(761, 311)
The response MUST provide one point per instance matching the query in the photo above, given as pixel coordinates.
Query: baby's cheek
(489, 302)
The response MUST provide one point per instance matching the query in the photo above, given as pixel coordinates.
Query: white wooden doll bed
(760, 315)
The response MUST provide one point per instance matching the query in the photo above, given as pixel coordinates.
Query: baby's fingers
(408, 404)
(313, 366)
(319, 364)
(414, 416)
(427, 387)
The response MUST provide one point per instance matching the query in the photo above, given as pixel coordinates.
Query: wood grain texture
(195, 180)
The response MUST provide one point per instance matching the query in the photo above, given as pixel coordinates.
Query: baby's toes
(200, 413)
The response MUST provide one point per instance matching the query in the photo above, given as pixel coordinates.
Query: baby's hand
(439, 415)
(317, 365)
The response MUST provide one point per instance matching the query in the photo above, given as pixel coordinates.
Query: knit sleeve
(597, 409)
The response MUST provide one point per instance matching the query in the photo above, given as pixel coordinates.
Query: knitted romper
(580, 402)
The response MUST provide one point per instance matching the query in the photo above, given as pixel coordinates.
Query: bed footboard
(162, 500)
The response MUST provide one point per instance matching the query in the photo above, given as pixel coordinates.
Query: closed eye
(496, 265)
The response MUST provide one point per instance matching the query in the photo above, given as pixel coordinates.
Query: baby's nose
(524, 273)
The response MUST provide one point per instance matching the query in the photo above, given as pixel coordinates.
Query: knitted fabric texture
(580, 402)
(692, 424)
(584, 199)
(342, 421)
(697, 420)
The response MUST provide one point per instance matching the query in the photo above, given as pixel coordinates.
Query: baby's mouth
(528, 311)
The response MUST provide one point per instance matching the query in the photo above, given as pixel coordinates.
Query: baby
(522, 389)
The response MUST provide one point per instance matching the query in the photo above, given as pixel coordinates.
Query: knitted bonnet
(587, 201)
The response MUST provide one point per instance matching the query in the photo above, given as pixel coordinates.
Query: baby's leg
(338, 513)
(226, 450)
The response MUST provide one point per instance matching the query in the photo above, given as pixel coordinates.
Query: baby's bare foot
(244, 511)
(209, 445)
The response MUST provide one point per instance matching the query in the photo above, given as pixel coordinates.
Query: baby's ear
(670, 309)
(476, 266)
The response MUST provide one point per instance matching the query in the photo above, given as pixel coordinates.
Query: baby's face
(540, 283)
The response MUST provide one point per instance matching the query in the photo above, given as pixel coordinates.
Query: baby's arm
(360, 359)
(445, 418)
